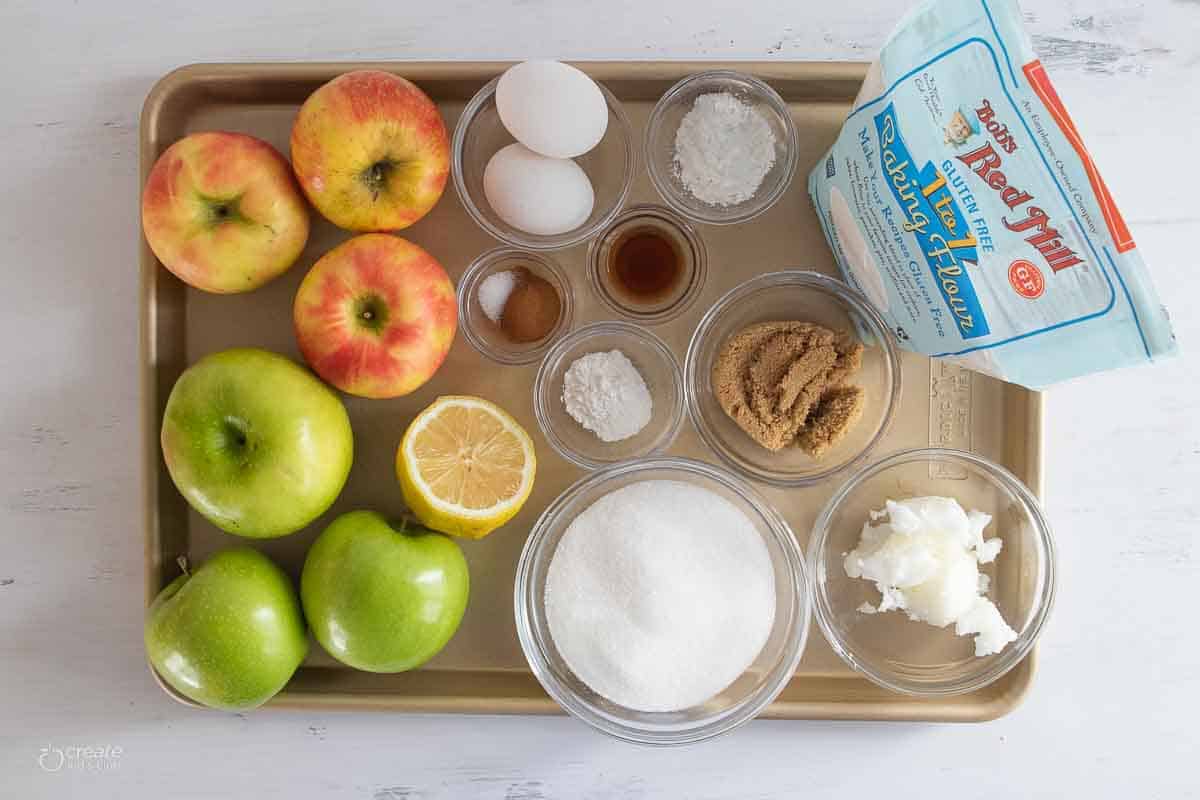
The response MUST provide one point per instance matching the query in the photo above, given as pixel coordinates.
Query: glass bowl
(688, 247)
(659, 145)
(479, 134)
(913, 657)
(659, 369)
(485, 335)
(737, 703)
(808, 297)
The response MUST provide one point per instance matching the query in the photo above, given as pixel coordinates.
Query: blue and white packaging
(960, 199)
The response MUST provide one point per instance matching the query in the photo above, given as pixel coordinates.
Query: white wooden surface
(1115, 706)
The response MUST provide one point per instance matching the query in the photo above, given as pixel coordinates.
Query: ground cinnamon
(532, 310)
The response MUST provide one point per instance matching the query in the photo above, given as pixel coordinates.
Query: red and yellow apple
(221, 210)
(376, 316)
(371, 152)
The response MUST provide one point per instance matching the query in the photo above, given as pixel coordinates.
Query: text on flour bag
(960, 199)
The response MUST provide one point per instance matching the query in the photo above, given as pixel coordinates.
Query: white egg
(539, 195)
(552, 108)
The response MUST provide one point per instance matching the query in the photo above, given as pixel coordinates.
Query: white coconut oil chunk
(923, 555)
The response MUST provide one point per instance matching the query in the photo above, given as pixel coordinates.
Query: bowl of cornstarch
(662, 601)
(721, 147)
(609, 392)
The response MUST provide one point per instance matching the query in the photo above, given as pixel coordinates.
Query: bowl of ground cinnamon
(514, 304)
(791, 378)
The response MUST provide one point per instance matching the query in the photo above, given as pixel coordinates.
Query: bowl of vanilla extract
(648, 265)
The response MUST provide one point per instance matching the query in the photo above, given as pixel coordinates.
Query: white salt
(494, 291)
(660, 595)
(923, 556)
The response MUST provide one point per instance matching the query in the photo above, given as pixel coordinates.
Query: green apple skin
(230, 634)
(382, 599)
(256, 443)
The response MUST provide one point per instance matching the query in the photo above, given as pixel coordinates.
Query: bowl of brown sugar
(792, 377)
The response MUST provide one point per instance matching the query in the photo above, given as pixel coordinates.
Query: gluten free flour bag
(960, 199)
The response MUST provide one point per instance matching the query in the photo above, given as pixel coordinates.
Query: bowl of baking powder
(609, 392)
(721, 147)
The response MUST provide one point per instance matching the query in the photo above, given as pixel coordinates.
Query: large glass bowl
(785, 296)
(737, 703)
(914, 657)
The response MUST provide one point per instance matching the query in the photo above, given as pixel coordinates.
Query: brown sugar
(785, 383)
(838, 411)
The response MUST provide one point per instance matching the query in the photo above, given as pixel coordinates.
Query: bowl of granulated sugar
(721, 147)
(662, 601)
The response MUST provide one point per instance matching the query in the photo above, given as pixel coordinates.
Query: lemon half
(465, 466)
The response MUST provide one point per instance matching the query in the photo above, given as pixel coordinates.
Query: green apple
(255, 442)
(381, 598)
(230, 634)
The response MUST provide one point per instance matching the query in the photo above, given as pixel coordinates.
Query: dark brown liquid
(645, 265)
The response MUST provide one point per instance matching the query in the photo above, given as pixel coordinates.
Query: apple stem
(182, 561)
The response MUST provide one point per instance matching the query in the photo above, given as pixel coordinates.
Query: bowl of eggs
(543, 156)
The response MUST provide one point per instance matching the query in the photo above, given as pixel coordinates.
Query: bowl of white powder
(721, 147)
(662, 601)
(609, 392)
(932, 571)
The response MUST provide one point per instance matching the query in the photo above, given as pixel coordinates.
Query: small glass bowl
(786, 296)
(659, 145)
(485, 335)
(480, 133)
(688, 246)
(737, 703)
(913, 657)
(659, 369)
